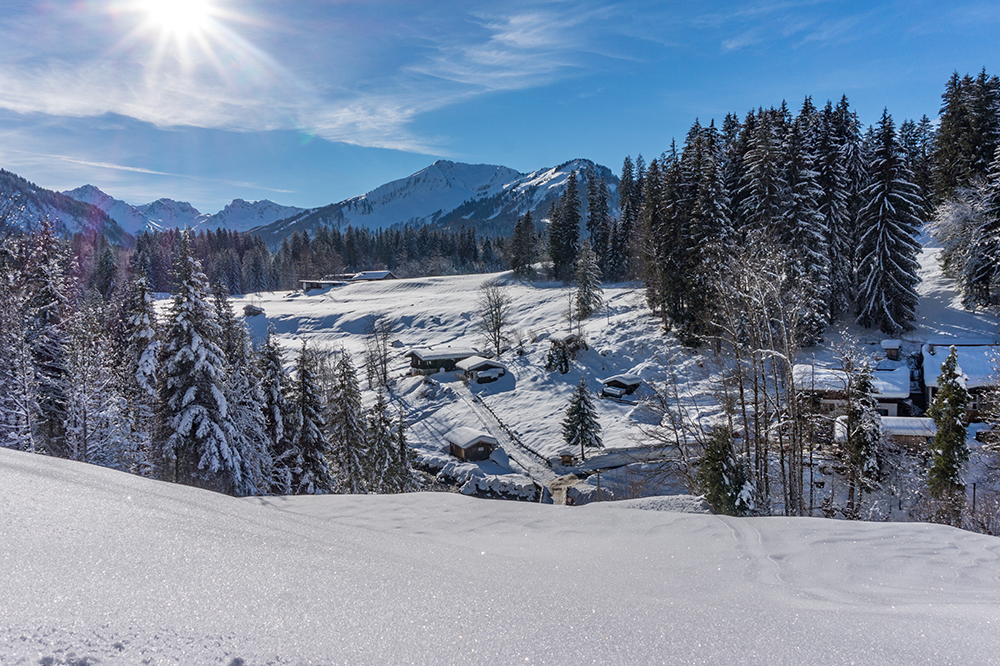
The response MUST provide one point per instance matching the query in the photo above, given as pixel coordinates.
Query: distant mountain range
(26, 204)
(240, 215)
(448, 194)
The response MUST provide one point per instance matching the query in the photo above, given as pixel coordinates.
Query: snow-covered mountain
(29, 203)
(488, 197)
(240, 215)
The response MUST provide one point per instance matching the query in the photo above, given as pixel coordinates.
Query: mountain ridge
(448, 194)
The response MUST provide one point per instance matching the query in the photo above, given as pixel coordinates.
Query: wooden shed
(430, 361)
(620, 385)
(470, 444)
(481, 370)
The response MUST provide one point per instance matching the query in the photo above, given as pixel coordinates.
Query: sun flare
(179, 17)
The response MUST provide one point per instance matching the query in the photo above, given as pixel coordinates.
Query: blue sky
(307, 103)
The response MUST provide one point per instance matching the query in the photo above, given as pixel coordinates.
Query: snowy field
(100, 567)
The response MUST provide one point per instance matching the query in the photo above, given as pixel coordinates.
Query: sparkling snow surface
(99, 567)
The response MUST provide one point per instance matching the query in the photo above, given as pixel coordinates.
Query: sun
(179, 18)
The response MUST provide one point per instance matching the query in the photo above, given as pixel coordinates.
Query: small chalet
(976, 368)
(372, 276)
(914, 433)
(441, 359)
(891, 384)
(481, 370)
(620, 385)
(309, 285)
(470, 444)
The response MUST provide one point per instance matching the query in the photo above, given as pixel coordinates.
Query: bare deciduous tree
(495, 304)
(379, 328)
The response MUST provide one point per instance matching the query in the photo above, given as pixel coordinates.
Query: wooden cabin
(976, 368)
(443, 359)
(470, 444)
(481, 370)
(620, 385)
(372, 276)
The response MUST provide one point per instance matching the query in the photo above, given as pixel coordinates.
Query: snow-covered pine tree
(888, 249)
(564, 231)
(274, 384)
(949, 448)
(405, 457)
(832, 202)
(580, 426)
(982, 284)
(348, 440)
(523, 247)
(864, 431)
(588, 282)
(48, 310)
(855, 158)
(192, 431)
(137, 366)
(307, 429)
(598, 216)
(803, 230)
(711, 233)
(381, 457)
(763, 184)
(246, 422)
(97, 428)
(722, 478)
(18, 384)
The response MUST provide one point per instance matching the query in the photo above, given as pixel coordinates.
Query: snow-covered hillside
(101, 567)
(28, 203)
(239, 215)
(448, 193)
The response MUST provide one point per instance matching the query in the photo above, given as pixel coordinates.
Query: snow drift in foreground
(100, 567)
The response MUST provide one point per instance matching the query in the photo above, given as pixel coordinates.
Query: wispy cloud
(340, 78)
(151, 172)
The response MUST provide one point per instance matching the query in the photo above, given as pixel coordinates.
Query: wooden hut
(470, 444)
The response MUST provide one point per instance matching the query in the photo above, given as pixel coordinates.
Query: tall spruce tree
(863, 431)
(982, 283)
(588, 282)
(48, 310)
(564, 231)
(598, 217)
(307, 429)
(890, 219)
(193, 427)
(580, 426)
(381, 458)
(274, 384)
(348, 439)
(949, 449)
(523, 247)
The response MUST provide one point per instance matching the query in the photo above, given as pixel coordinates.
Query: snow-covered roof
(892, 384)
(892, 426)
(892, 344)
(889, 384)
(474, 363)
(815, 378)
(374, 275)
(626, 380)
(908, 426)
(464, 437)
(443, 353)
(976, 364)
